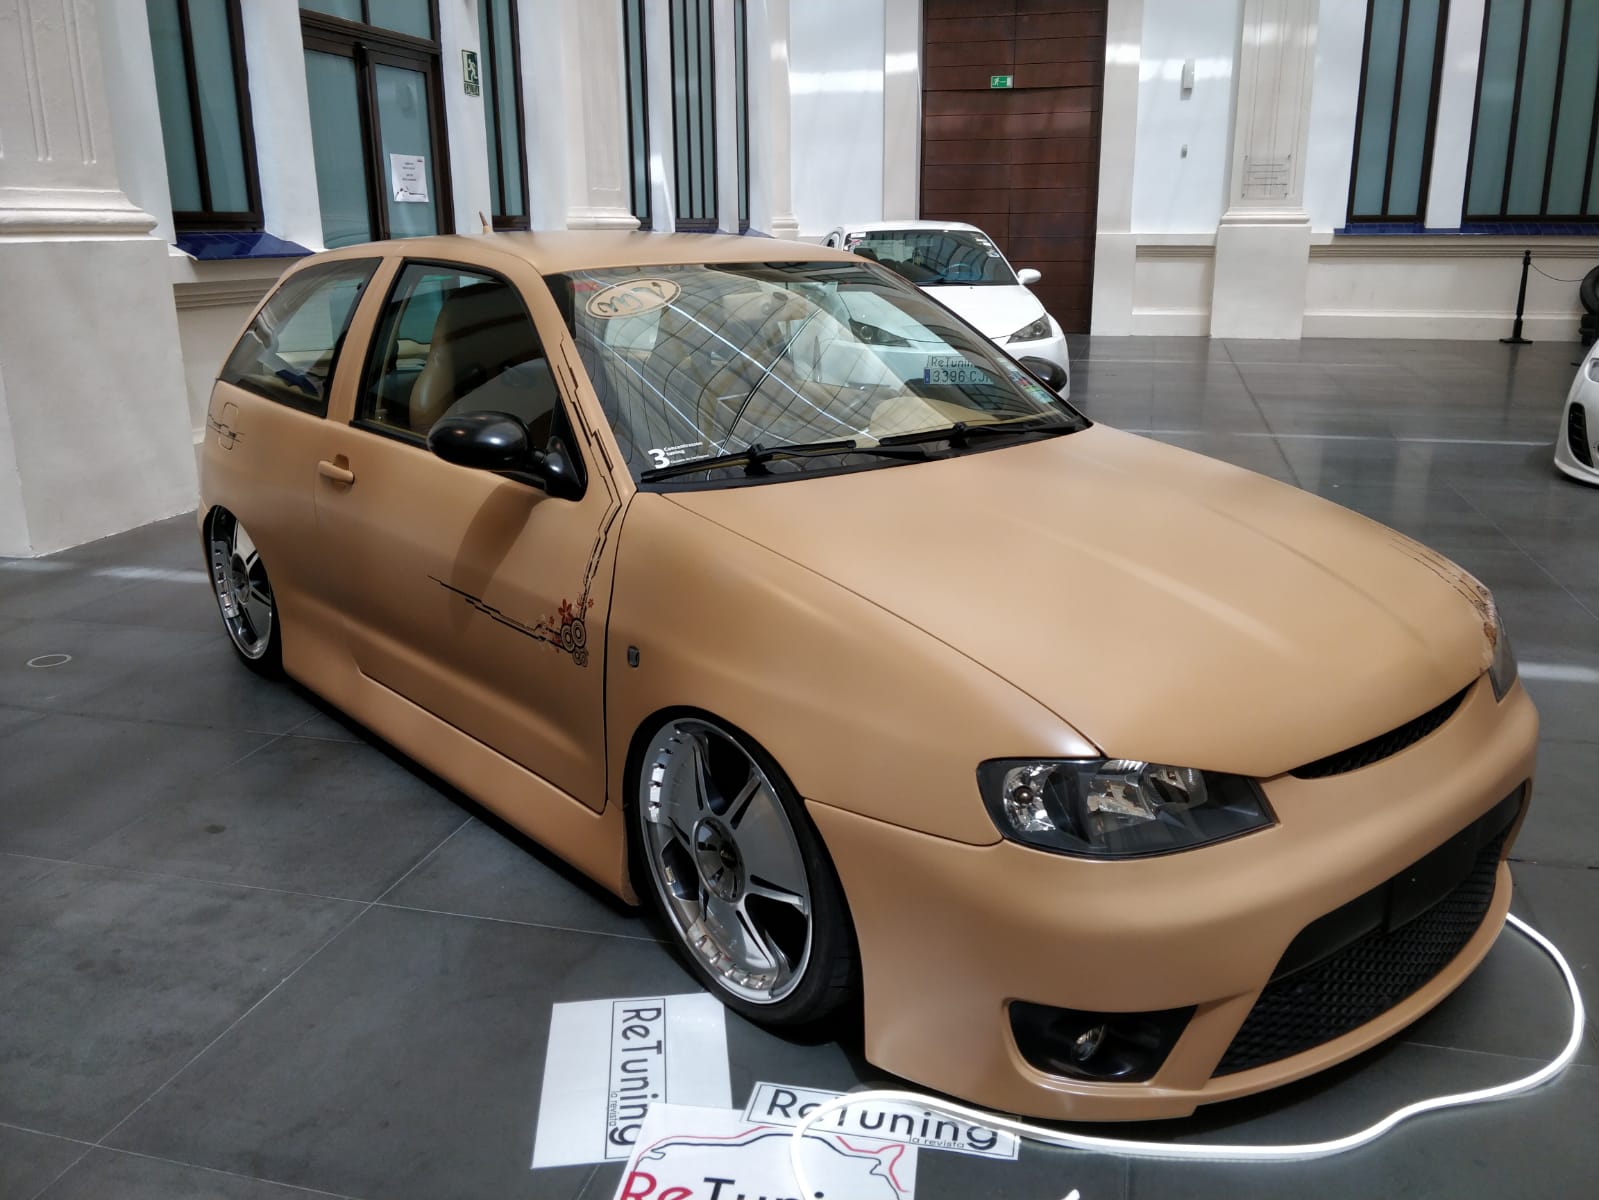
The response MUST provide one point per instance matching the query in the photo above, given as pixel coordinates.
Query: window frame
(563, 424)
(333, 266)
(741, 101)
(1386, 215)
(206, 217)
(1543, 217)
(503, 221)
(692, 174)
(368, 46)
(638, 92)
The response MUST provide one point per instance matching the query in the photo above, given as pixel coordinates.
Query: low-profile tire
(728, 855)
(243, 594)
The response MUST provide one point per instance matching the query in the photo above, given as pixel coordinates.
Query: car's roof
(570, 250)
(884, 226)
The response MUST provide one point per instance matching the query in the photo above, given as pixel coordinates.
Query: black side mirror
(498, 442)
(1048, 373)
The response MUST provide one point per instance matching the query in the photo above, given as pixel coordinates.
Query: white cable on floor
(1207, 1152)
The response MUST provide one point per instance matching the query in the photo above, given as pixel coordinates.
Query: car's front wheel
(740, 874)
(244, 594)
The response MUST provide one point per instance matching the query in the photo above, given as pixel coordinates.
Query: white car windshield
(935, 257)
(789, 367)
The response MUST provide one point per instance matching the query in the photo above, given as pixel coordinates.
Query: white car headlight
(1502, 671)
(1036, 332)
(1113, 808)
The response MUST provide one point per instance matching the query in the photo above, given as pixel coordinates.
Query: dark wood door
(1020, 162)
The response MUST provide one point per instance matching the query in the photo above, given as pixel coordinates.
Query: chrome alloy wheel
(725, 860)
(243, 592)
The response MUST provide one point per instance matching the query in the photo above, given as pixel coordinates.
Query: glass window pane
(403, 131)
(288, 351)
(403, 16)
(341, 164)
(1576, 110)
(680, 107)
(742, 108)
(1377, 106)
(707, 102)
(637, 113)
(1535, 117)
(504, 85)
(491, 131)
(219, 105)
(1415, 110)
(350, 10)
(172, 94)
(1501, 52)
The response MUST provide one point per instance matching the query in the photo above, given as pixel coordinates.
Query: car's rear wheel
(740, 874)
(244, 594)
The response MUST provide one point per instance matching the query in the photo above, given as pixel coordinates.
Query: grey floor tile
(173, 543)
(1562, 825)
(71, 780)
(184, 602)
(491, 871)
(1561, 903)
(331, 726)
(114, 1175)
(43, 588)
(102, 657)
(329, 818)
(404, 1061)
(110, 982)
(18, 871)
(12, 718)
(1531, 1147)
(1567, 711)
(29, 1161)
(207, 686)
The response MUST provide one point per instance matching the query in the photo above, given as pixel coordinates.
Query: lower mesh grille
(1367, 977)
(1577, 434)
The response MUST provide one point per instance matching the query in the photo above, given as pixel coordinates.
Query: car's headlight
(1593, 368)
(1036, 332)
(1502, 671)
(1117, 809)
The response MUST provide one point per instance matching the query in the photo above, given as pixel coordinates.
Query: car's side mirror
(557, 474)
(1028, 276)
(1051, 374)
(498, 442)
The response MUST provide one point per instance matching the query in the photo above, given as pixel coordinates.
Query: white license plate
(953, 369)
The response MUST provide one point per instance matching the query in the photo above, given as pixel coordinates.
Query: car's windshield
(700, 361)
(935, 257)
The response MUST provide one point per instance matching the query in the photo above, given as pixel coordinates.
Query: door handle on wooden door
(338, 470)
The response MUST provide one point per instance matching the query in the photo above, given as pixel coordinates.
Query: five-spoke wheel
(740, 874)
(244, 594)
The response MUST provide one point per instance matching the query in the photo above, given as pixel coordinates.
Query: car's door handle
(336, 471)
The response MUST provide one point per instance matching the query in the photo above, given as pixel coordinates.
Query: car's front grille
(1577, 434)
(1312, 1000)
(1382, 746)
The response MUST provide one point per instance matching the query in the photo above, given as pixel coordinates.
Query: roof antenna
(487, 228)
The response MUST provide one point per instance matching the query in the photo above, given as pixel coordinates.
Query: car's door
(476, 597)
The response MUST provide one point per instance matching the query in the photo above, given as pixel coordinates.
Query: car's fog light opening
(1109, 1047)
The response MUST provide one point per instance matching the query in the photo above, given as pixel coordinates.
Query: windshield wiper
(753, 458)
(962, 434)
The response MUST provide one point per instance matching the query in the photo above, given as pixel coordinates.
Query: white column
(597, 173)
(545, 103)
(726, 83)
(902, 109)
(1263, 242)
(94, 433)
(467, 128)
(658, 85)
(1115, 245)
(280, 109)
(1457, 104)
(780, 188)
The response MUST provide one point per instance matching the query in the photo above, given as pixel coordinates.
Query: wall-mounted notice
(408, 177)
(611, 1061)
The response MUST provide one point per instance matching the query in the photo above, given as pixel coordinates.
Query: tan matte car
(1113, 779)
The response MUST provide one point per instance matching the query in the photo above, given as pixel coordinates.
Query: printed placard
(780, 1104)
(610, 1061)
(688, 1153)
(408, 178)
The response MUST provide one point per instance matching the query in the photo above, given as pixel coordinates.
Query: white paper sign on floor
(779, 1104)
(609, 1060)
(715, 1154)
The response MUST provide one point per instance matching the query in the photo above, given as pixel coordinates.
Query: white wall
(836, 84)
(1174, 193)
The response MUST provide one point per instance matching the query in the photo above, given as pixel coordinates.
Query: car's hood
(1167, 606)
(997, 311)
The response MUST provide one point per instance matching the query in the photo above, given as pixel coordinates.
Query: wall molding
(221, 293)
(1454, 246)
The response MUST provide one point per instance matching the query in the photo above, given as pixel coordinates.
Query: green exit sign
(999, 81)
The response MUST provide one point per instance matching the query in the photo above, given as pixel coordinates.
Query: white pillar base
(600, 218)
(1262, 264)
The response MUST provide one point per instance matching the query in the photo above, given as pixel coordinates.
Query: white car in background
(1577, 445)
(959, 266)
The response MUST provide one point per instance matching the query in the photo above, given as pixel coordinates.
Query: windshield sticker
(665, 456)
(631, 298)
(953, 369)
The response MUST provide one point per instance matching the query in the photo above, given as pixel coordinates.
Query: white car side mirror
(1027, 276)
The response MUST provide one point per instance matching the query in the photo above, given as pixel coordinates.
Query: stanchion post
(1515, 338)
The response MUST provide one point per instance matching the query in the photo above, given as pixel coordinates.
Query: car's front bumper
(1052, 348)
(950, 933)
(1579, 431)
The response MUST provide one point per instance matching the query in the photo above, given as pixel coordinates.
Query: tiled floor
(247, 952)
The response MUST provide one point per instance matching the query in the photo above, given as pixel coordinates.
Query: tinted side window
(289, 350)
(453, 341)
